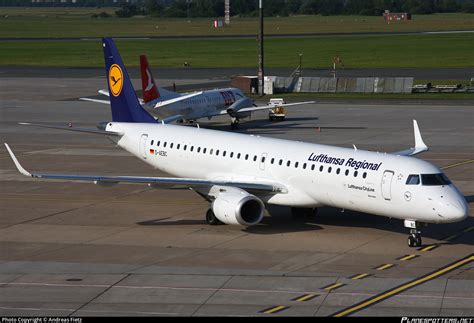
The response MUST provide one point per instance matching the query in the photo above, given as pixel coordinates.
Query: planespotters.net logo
(115, 79)
(437, 320)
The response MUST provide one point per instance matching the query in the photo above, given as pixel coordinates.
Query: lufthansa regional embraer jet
(239, 174)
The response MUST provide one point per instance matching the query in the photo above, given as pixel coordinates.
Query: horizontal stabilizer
(95, 100)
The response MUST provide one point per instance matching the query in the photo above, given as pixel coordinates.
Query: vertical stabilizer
(150, 90)
(123, 100)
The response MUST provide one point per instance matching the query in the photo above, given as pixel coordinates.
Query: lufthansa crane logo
(115, 79)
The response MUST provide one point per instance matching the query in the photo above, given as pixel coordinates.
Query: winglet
(419, 143)
(420, 146)
(17, 163)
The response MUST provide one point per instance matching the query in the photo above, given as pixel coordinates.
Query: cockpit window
(434, 179)
(413, 180)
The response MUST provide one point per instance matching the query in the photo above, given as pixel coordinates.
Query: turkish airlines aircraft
(239, 174)
(169, 106)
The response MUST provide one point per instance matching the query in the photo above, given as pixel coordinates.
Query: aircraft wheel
(211, 218)
(411, 241)
(414, 240)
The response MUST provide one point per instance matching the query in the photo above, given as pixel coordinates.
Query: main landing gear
(234, 123)
(211, 218)
(414, 239)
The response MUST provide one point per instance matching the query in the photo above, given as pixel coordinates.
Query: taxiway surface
(78, 249)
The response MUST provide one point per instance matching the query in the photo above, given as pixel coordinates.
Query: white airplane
(239, 174)
(169, 106)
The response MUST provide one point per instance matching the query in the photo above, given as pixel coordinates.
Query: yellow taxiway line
(397, 290)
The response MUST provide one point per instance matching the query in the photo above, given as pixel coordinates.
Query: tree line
(249, 8)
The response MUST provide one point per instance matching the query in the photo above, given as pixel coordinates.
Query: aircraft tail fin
(150, 90)
(123, 100)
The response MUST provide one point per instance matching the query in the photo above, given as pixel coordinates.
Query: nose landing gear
(414, 239)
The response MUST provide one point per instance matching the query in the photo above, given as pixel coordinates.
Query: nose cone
(457, 209)
(450, 206)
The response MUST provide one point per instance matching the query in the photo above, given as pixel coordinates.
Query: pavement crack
(99, 295)
(210, 296)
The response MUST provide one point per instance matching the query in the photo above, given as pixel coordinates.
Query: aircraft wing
(177, 99)
(270, 106)
(268, 187)
(420, 146)
(261, 107)
(70, 128)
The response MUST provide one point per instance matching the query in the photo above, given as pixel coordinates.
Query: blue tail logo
(123, 100)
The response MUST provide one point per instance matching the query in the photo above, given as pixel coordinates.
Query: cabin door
(143, 140)
(387, 184)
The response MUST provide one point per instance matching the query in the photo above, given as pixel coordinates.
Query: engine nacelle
(238, 207)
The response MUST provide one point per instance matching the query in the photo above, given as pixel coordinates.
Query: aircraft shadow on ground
(281, 221)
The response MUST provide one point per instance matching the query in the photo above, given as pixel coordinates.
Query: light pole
(301, 66)
(261, 90)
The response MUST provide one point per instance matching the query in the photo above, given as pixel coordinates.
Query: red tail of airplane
(150, 91)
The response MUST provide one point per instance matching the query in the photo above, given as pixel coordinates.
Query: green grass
(77, 22)
(415, 51)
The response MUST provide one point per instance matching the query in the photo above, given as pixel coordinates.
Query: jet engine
(238, 207)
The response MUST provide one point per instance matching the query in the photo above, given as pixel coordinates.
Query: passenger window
(152, 142)
(272, 161)
(210, 151)
(185, 146)
(238, 156)
(192, 148)
(164, 145)
(158, 144)
(304, 166)
(255, 158)
(355, 173)
(296, 165)
(204, 150)
(177, 147)
(171, 145)
(263, 159)
(246, 156)
(217, 152)
(329, 169)
(347, 172)
(280, 162)
(413, 180)
(232, 155)
(338, 171)
(223, 153)
(364, 175)
(312, 167)
(199, 149)
(321, 168)
(288, 163)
